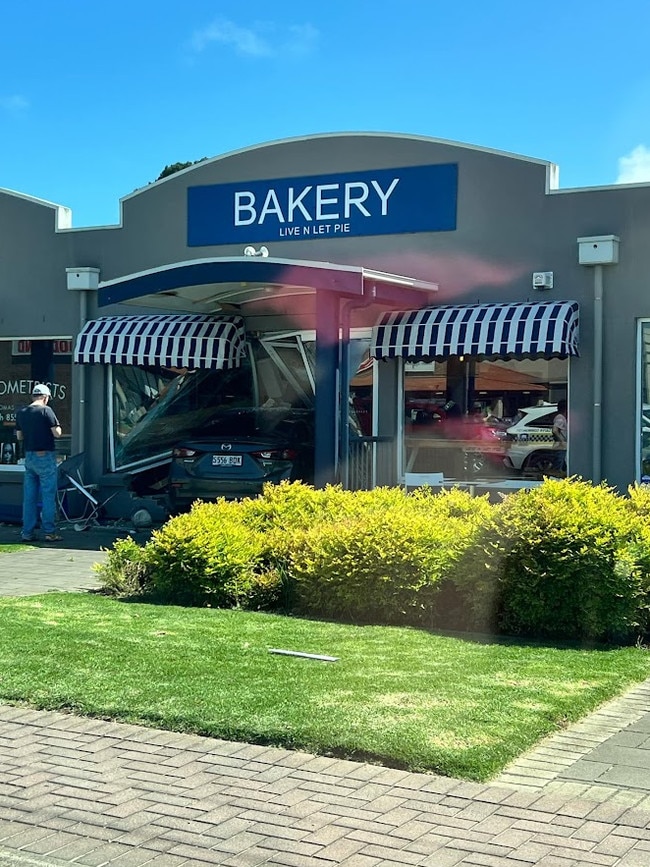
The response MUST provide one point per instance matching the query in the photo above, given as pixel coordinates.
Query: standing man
(560, 436)
(38, 427)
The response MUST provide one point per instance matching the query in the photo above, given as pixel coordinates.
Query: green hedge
(383, 563)
(220, 554)
(208, 556)
(566, 560)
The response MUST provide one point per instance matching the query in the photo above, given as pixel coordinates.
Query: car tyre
(540, 462)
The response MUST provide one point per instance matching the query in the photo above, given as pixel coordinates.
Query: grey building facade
(344, 229)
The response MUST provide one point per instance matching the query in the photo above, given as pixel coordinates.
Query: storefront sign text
(19, 387)
(381, 202)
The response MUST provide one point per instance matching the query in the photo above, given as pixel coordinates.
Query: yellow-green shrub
(639, 501)
(207, 556)
(565, 560)
(293, 505)
(382, 564)
(387, 552)
(124, 573)
(218, 553)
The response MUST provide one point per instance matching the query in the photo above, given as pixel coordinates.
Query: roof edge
(62, 215)
(552, 168)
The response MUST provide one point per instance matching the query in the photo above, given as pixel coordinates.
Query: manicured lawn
(8, 548)
(403, 697)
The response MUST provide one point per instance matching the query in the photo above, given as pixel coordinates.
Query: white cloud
(258, 40)
(244, 40)
(634, 168)
(301, 40)
(15, 102)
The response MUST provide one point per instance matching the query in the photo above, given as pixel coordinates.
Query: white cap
(41, 390)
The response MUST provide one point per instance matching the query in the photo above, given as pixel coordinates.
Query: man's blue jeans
(559, 460)
(40, 483)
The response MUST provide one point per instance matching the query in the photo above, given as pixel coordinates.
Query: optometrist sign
(381, 202)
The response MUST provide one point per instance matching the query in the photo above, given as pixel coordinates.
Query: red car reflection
(483, 440)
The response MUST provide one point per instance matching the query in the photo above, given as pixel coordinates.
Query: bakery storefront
(420, 305)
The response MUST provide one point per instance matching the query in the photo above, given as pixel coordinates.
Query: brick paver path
(89, 792)
(608, 749)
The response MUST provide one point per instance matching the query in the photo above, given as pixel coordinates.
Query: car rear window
(265, 421)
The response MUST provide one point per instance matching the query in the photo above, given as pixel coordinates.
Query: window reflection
(482, 419)
(361, 386)
(644, 409)
(23, 363)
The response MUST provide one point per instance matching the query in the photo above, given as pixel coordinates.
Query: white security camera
(251, 251)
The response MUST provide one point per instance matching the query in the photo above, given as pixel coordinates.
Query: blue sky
(96, 98)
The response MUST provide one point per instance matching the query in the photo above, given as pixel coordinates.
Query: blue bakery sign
(381, 202)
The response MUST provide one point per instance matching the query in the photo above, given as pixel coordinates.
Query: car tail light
(183, 453)
(276, 455)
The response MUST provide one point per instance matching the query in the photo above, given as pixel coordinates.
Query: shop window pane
(22, 363)
(645, 403)
(155, 408)
(361, 387)
(285, 369)
(486, 420)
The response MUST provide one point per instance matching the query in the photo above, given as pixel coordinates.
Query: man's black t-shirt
(36, 423)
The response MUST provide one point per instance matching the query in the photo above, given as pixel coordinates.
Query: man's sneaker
(53, 537)
(31, 538)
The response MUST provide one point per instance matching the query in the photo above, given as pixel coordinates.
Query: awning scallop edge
(170, 340)
(546, 329)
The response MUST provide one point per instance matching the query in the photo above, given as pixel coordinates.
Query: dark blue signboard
(381, 202)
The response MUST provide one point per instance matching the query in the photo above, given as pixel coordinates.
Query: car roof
(531, 414)
(542, 409)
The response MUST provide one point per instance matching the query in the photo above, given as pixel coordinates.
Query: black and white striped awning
(186, 340)
(545, 329)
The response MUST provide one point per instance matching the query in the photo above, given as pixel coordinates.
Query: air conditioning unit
(542, 280)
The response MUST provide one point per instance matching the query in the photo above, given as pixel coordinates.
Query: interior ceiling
(488, 377)
(267, 312)
(253, 298)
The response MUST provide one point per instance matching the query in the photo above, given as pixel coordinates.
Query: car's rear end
(246, 450)
(211, 469)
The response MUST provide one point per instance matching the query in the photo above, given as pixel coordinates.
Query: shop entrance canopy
(254, 286)
(524, 330)
(277, 294)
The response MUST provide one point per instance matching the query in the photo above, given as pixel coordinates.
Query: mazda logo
(226, 447)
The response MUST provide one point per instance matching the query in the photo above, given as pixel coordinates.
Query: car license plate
(226, 460)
